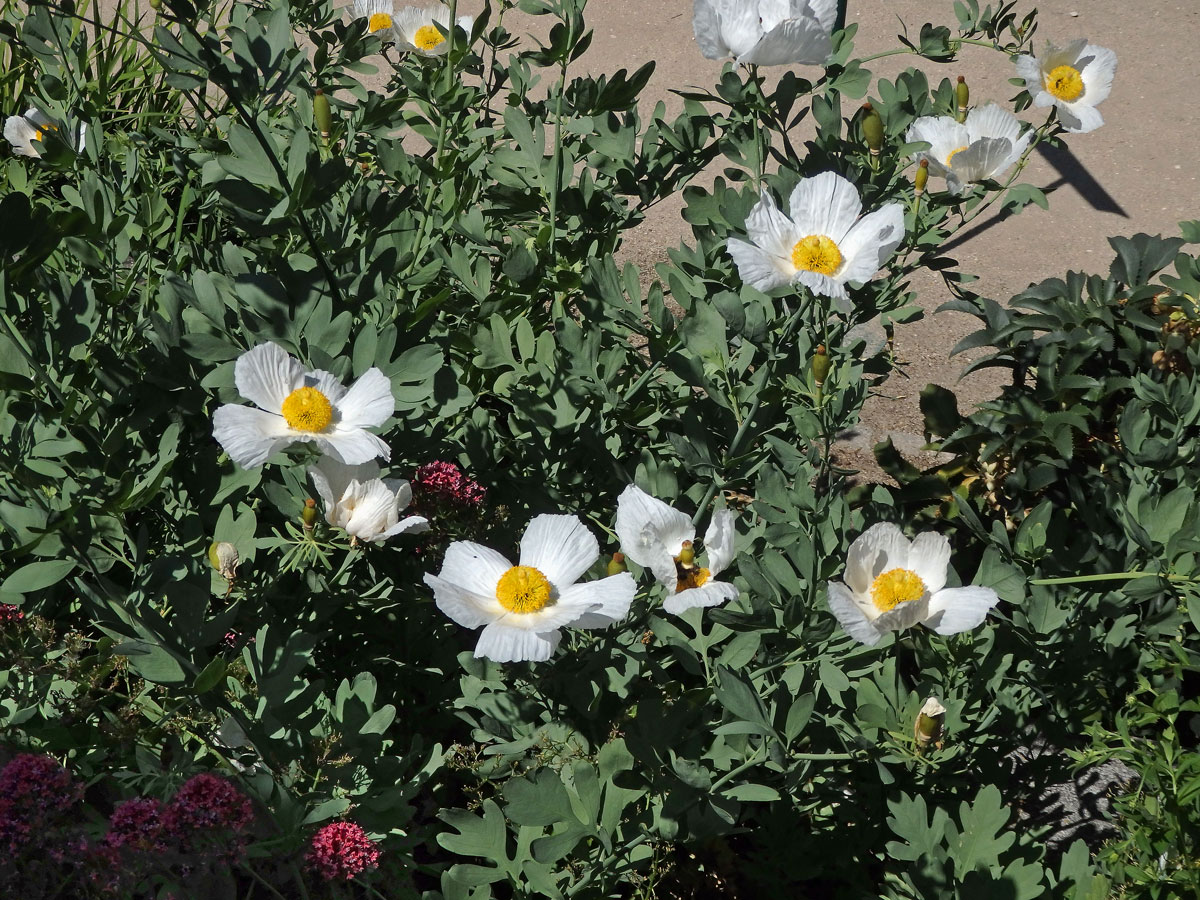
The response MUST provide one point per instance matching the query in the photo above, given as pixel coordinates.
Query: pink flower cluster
(139, 824)
(35, 791)
(443, 482)
(208, 801)
(341, 851)
(10, 614)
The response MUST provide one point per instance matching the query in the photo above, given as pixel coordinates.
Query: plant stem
(1114, 576)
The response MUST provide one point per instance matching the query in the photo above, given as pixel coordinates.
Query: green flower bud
(308, 515)
(321, 113)
(224, 558)
(616, 565)
(962, 94)
(930, 725)
(921, 178)
(156, 4)
(819, 365)
(872, 126)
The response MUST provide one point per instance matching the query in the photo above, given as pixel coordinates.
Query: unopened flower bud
(321, 113)
(872, 127)
(155, 4)
(930, 725)
(687, 554)
(308, 515)
(962, 95)
(819, 365)
(921, 178)
(616, 565)
(224, 558)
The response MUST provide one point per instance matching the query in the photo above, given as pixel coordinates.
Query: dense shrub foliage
(216, 682)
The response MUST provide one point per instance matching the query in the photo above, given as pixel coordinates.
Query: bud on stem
(224, 558)
(308, 515)
(819, 365)
(872, 128)
(962, 95)
(930, 725)
(921, 178)
(616, 565)
(322, 113)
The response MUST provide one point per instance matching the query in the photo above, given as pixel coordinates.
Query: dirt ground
(1136, 173)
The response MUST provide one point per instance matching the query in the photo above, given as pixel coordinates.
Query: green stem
(556, 168)
(1114, 576)
(262, 881)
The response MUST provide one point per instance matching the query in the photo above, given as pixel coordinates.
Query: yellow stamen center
(690, 577)
(953, 153)
(378, 22)
(427, 37)
(523, 589)
(1065, 83)
(817, 253)
(896, 586)
(40, 135)
(307, 409)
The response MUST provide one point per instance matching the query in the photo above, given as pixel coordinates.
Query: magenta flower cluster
(441, 482)
(341, 851)
(10, 614)
(35, 792)
(208, 801)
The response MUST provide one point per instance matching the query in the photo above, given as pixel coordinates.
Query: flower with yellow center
(893, 583)
(295, 405)
(1074, 78)
(26, 133)
(426, 30)
(983, 147)
(660, 538)
(823, 244)
(522, 608)
(766, 32)
(380, 16)
(362, 504)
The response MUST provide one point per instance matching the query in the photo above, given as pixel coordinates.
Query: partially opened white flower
(380, 16)
(824, 245)
(660, 538)
(765, 32)
(1074, 78)
(363, 505)
(522, 607)
(295, 405)
(893, 584)
(417, 28)
(984, 147)
(22, 131)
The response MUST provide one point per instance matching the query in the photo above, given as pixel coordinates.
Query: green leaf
(212, 675)
(37, 576)
(982, 839)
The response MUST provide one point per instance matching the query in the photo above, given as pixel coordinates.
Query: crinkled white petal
(706, 25)
(266, 374)
(826, 204)
(714, 593)
(824, 11)
(880, 548)
(1078, 118)
(800, 41)
(759, 269)
(502, 643)
(929, 557)
(719, 541)
(250, 435)
(466, 607)
(369, 402)
(944, 134)
(1097, 67)
(870, 243)
(850, 615)
(651, 532)
(608, 600)
(475, 568)
(331, 477)
(560, 547)
(352, 446)
(20, 132)
(772, 231)
(953, 610)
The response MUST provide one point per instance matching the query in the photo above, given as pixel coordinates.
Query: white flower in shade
(1074, 78)
(295, 405)
(380, 16)
(522, 607)
(23, 131)
(363, 505)
(984, 147)
(893, 584)
(417, 28)
(661, 539)
(823, 245)
(765, 32)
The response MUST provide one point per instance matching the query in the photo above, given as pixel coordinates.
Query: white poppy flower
(1074, 78)
(522, 607)
(295, 405)
(823, 245)
(361, 504)
(22, 131)
(765, 32)
(417, 28)
(380, 16)
(984, 147)
(660, 538)
(892, 584)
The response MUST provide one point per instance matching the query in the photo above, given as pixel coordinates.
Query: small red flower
(342, 851)
(139, 824)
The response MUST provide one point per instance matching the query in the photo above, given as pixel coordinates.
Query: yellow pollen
(896, 586)
(817, 253)
(427, 37)
(953, 153)
(690, 577)
(378, 22)
(523, 589)
(1065, 83)
(41, 132)
(307, 409)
